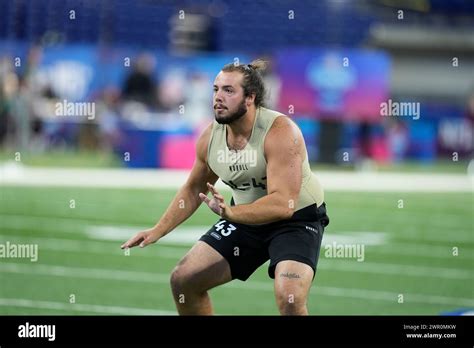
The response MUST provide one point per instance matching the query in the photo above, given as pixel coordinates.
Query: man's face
(229, 100)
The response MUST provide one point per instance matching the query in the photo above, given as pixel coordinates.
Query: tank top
(245, 171)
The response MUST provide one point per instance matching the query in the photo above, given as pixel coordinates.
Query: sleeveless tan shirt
(245, 171)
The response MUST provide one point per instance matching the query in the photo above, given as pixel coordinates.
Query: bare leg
(292, 283)
(201, 269)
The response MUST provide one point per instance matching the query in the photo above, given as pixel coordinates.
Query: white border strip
(12, 173)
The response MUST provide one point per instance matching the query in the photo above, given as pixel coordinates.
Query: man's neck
(243, 127)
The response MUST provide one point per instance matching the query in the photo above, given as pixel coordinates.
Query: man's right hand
(142, 238)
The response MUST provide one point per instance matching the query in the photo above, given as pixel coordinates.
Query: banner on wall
(78, 72)
(329, 84)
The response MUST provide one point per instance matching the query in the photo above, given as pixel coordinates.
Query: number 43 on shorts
(221, 225)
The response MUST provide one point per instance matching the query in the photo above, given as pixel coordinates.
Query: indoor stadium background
(101, 103)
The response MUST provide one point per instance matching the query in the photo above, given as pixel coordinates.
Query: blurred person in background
(140, 85)
(470, 111)
(20, 112)
(272, 83)
(470, 122)
(5, 70)
(108, 118)
(3, 117)
(398, 140)
(172, 89)
(196, 105)
(364, 147)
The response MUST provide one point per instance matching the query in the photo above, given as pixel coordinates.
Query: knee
(291, 302)
(179, 279)
(183, 280)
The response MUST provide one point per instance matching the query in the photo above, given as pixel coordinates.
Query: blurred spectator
(36, 82)
(21, 112)
(108, 118)
(3, 117)
(36, 88)
(88, 136)
(364, 159)
(272, 84)
(172, 89)
(198, 100)
(470, 121)
(398, 140)
(5, 70)
(364, 141)
(470, 107)
(140, 85)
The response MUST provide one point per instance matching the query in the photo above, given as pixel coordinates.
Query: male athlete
(276, 212)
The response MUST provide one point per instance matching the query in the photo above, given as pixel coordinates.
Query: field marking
(80, 307)
(457, 236)
(423, 250)
(176, 252)
(190, 234)
(29, 222)
(14, 173)
(392, 297)
(397, 269)
(81, 272)
(181, 235)
(95, 247)
(147, 277)
(344, 265)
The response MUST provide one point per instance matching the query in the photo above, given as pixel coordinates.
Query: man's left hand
(217, 203)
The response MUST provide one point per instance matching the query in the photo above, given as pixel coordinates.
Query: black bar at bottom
(260, 330)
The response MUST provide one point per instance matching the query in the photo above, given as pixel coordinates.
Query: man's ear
(250, 99)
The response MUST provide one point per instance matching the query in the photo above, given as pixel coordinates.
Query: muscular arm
(284, 152)
(186, 200)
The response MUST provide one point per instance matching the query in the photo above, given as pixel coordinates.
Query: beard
(234, 116)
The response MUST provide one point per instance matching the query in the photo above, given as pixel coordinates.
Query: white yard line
(29, 222)
(80, 307)
(14, 174)
(147, 277)
(422, 250)
(392, 297)
(189, 234)
(396, 182)
(94, 247)
(176, 252)
(400, 270)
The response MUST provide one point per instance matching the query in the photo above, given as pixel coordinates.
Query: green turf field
(408, 255)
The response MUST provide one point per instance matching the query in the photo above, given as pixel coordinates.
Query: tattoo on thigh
(290, 275)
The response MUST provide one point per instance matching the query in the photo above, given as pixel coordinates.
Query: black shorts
(247, 247)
